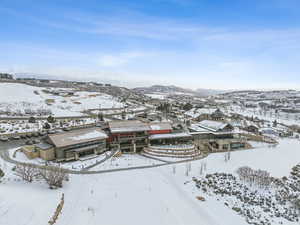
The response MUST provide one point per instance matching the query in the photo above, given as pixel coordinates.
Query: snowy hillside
(17, 99)
(164, 195)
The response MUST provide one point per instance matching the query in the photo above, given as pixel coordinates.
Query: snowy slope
(148, 196)
(21, 96)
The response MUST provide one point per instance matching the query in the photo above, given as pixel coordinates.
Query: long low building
(129, 136)
(78, 143)
(133, 136)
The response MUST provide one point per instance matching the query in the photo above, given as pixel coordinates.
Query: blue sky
(220, 44)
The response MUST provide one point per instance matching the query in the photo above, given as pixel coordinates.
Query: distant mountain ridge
(163, 89)
(167, 89)
(172, 89)
(207, 92)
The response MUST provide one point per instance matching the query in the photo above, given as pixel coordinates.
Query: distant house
(209, 114)
(268, 131)
(275, 132)
(236, 116)
(252, 128)
(63, 92)
(215, 126)
(250, 105)
(44, 81)
(217, 115)
(6, 76)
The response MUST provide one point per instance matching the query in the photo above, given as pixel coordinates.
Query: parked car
(3, 138)
(51, 131)
(42, 133)
(23, 136)
(16, 137)
(35, 134)
(59, 131)
(36, 141)
(29, 142)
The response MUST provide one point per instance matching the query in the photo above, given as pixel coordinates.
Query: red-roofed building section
(160, 128)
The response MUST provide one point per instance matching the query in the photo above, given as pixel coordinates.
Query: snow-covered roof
(250, 123)
(77, 137)
(127, 126)
(212, 125)
(169, 136)
(160, 126)
(271, 130)
(194, 113)
(196, 128)
(43, 146)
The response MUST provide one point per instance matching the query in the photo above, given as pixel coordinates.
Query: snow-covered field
(20, 97)
(147, 196)
(126, 161)
(281, 117)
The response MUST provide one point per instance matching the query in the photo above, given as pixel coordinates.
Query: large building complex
(134, 136)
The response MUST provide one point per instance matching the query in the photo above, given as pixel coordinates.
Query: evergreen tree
(47, 126)
(1, 173)
(31, 119)
(100, 116)
(188, 106)
(51, 119)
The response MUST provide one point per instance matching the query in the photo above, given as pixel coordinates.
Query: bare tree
(190, 167)
(201, 168)
(1, 173)
(260, 178)
(186, 170)
(296, 204)
(26, 172)
(227, 156)
(54, 177)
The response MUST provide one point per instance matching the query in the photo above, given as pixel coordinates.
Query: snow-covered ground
(147, 196)
(20, 97)
(281, 117)
(21, 126)
(126, 161)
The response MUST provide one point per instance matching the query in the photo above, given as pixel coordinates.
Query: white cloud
(185, 53)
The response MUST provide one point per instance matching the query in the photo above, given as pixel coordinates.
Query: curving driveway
(4, 154)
